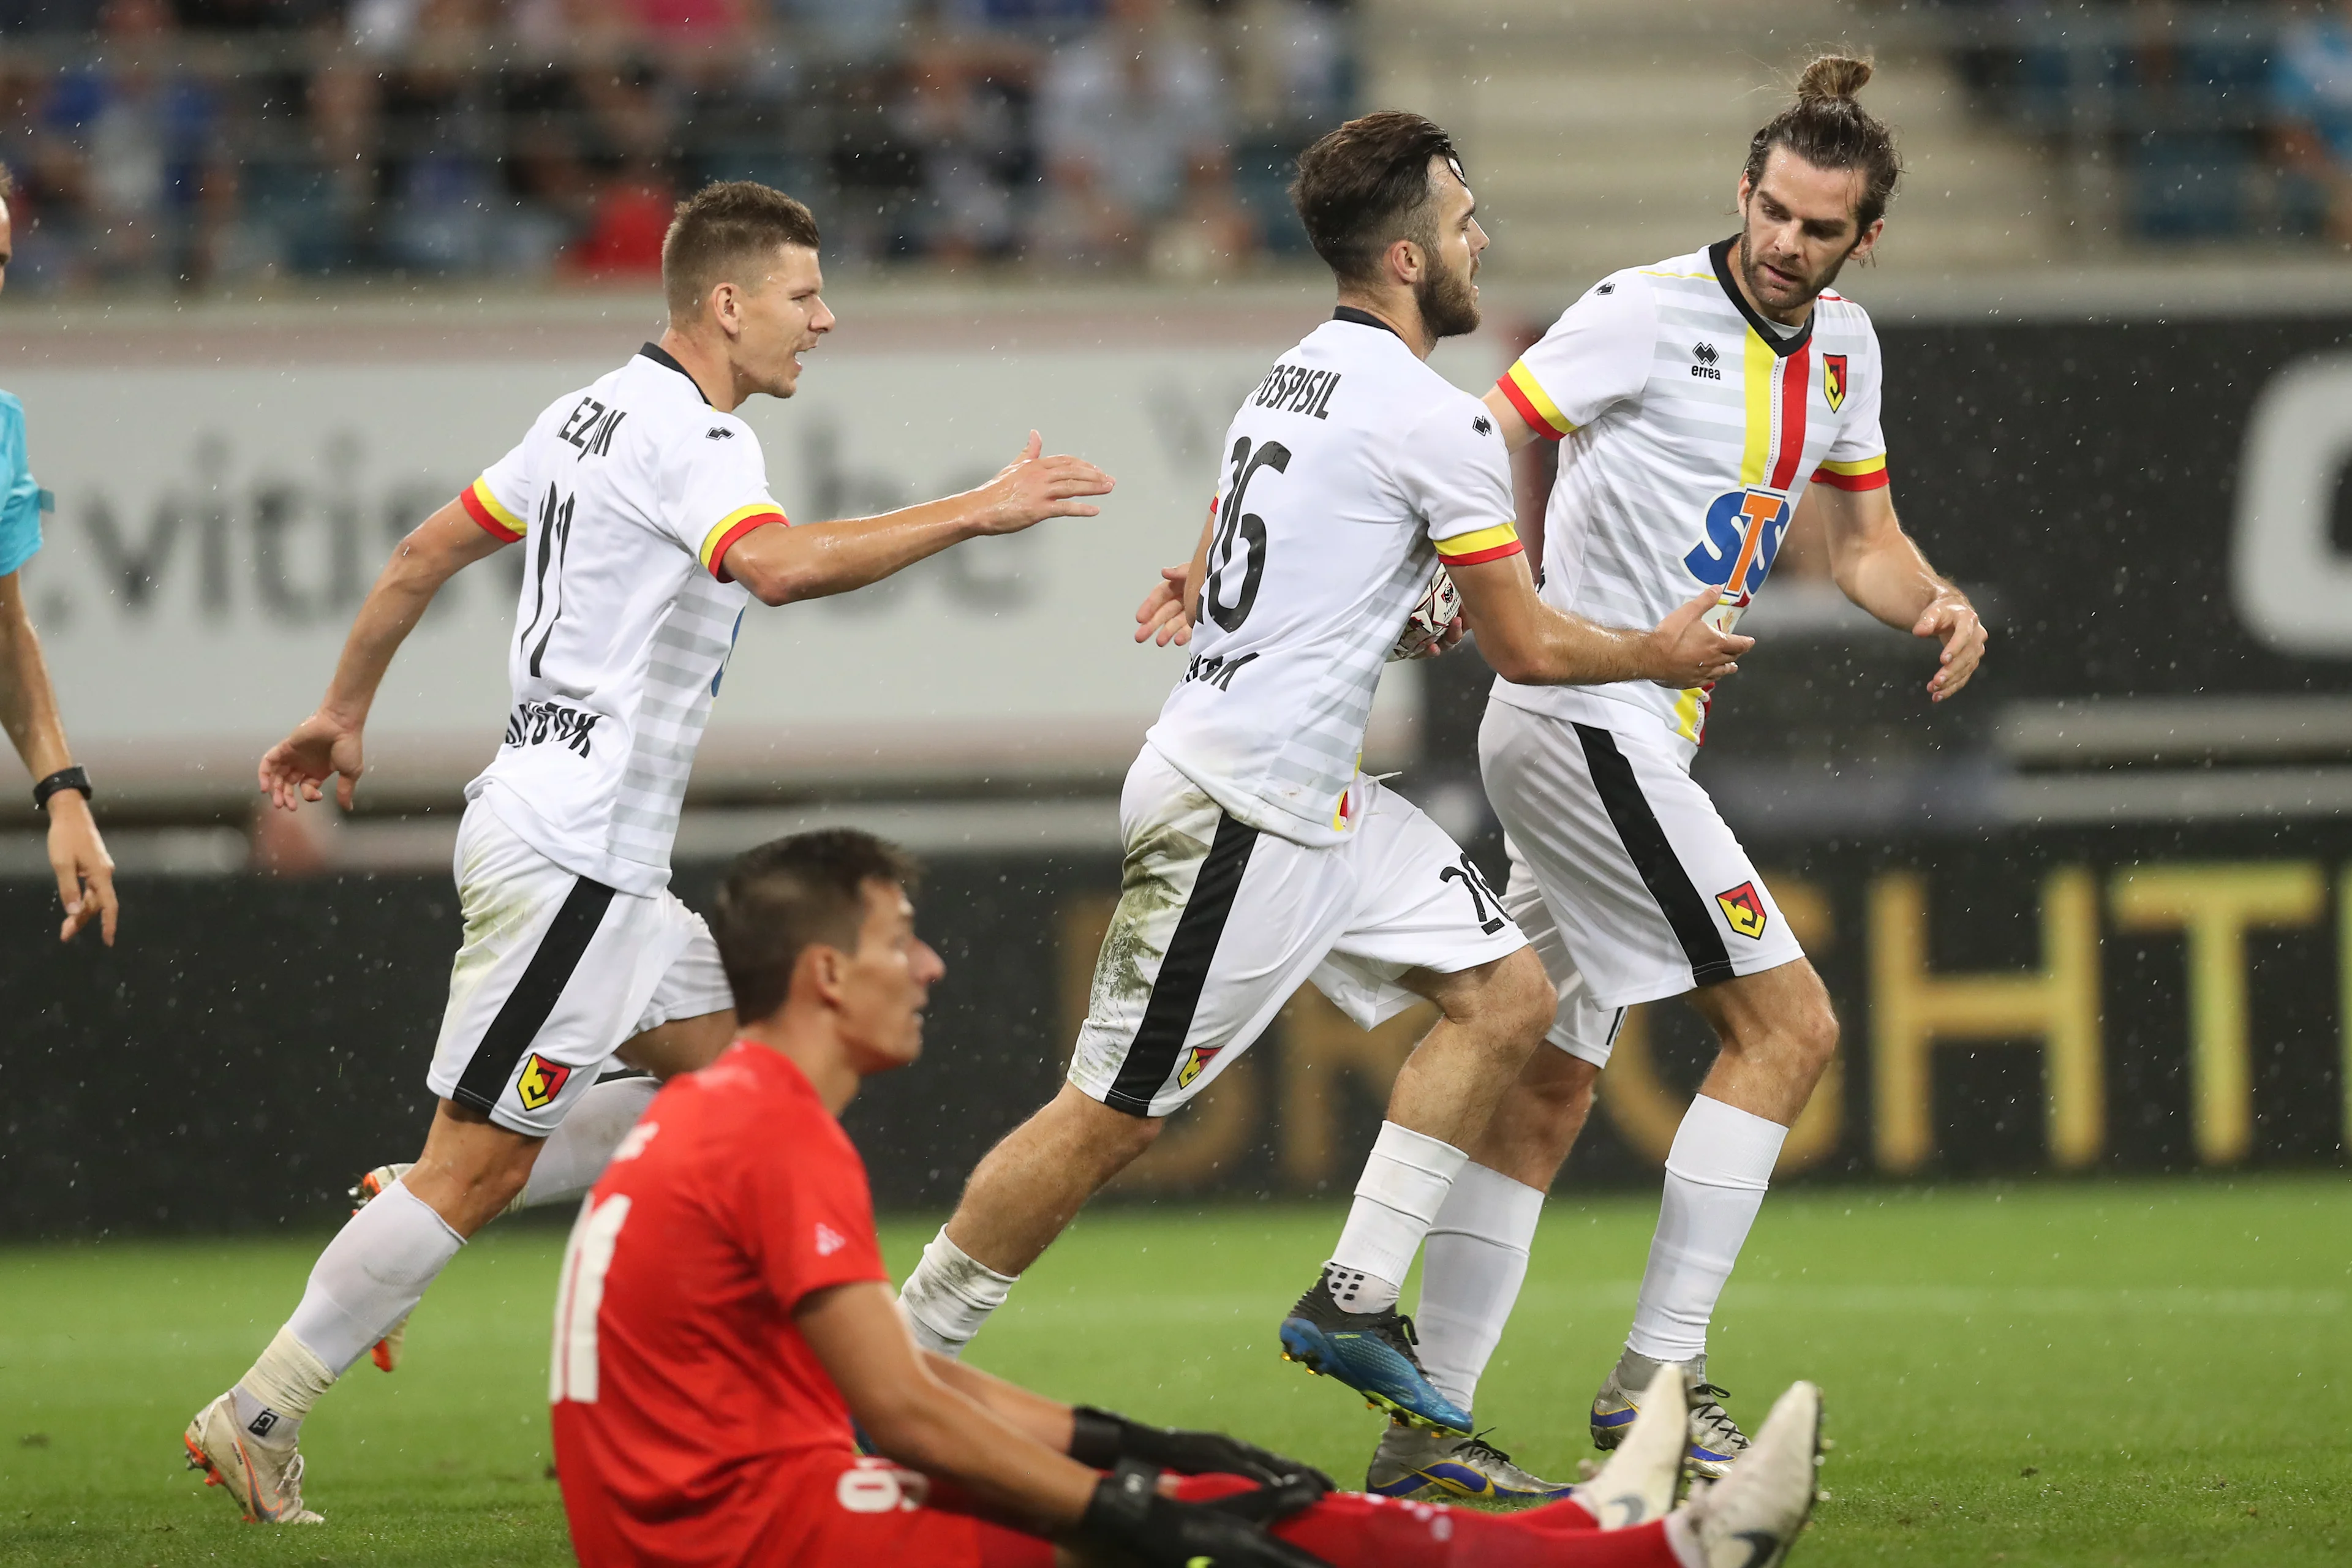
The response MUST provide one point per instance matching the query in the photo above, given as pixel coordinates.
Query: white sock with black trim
(1403, 1185)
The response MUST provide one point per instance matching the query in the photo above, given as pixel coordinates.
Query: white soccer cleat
(265, 1477)
(386, 1354)
(1638, 1483)
(1749, 1518)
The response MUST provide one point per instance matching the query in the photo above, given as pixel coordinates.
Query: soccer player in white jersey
(1258, 856)
(642, 504)
(1700, 404)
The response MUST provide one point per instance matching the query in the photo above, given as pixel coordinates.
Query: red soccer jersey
(684, 1398)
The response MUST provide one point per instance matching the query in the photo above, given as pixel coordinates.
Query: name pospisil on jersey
(1349, 472)
(625, 508)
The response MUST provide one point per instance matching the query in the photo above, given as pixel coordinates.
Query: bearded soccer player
(1258, 854)
(723, 1316)
(1701, 402)
(642, 503)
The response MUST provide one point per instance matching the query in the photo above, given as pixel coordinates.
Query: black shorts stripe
(1654, 858)
(1183, 971)
(534, 996)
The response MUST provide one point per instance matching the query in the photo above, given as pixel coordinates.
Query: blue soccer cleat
(1371, 1353)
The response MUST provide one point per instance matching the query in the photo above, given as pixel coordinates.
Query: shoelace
(1475, 1447)
(1706, 1411)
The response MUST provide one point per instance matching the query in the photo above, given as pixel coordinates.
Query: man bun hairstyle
(1828, 129)
(793, 894)
(723, 231)
(1366, 186)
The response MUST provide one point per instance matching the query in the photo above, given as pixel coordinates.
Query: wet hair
(793, 894)
(1828, 129)
(724, 226)
(1366, 186)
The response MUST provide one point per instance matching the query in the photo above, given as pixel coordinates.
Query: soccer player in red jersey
(723, 1315)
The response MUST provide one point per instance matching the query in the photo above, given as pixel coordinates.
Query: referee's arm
(28, 711)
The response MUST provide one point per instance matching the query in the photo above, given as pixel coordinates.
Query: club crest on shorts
(540, 1081)
(1833, 380)
(1743, 910)
(1195, 1059)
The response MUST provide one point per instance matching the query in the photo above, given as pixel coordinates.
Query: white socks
(1475, 1261)
(272, 1398)
(950, 1296)
(374, 1270)
(577, 1152)
(1717, 1173)
(1403, 1185)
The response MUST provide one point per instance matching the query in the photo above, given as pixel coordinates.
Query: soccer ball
(1439, 607)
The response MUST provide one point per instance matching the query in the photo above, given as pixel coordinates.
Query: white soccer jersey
(626, 496)
(1690, 428)
(1349, 473)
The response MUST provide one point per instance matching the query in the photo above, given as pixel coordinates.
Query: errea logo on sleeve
(829, 1240)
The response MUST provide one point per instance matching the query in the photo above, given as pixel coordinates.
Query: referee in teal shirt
(28, 708)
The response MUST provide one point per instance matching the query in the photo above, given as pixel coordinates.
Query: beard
(1807, 293)
(1449, 304)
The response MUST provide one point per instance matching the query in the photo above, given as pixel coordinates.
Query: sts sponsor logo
(1743, 534)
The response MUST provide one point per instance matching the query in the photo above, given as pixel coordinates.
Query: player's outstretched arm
(1881, 568)
(327, 744)
(916, 1417)
(1532, 644)
(781, 564)
(28, 711)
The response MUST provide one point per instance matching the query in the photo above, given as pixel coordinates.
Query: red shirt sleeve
(812, 1213)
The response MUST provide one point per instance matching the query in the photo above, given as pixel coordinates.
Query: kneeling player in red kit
(723, 1316)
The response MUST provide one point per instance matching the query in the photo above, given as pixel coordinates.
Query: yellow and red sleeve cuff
(731, 528)
(495, 520)
(1484, 545)
(1535, 405)
(1870, 474)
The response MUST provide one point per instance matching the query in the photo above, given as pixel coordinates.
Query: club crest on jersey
(1743, 911)
(1833, 380)
(540, 1081)
(1743, 528)
(1195, 1060)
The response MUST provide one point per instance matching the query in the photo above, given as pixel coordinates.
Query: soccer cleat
(265, 1477)
(1437, 1468)
(1371, 1353)
(386, 1354)
(1747, 1519)
(1715, 1440)
(1639, 1482)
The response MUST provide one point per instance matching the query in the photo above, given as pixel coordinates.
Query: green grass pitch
(2108, 1373)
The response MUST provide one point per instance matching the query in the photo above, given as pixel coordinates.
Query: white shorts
(1218, 923)
(1649, 893)
(555, 972)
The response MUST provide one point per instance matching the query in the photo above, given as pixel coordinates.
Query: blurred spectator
(1123, 117)
(2312, 88)
(961, 116)
(1213, 233)
(125, 141)
(631, 213)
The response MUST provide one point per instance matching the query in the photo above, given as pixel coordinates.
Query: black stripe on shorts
(1637, 829)
(1183, 971)
(534, 996)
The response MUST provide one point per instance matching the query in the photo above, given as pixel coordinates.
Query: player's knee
(1524, 1001)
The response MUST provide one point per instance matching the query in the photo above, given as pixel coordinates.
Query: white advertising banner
(217, 524)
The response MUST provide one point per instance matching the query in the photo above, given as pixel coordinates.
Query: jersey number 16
(1240, 533)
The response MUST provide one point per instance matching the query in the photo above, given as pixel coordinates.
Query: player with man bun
(643, 507)
(1701, 404)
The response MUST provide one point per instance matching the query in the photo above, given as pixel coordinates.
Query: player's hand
(85, 870)
(1951, 617)
(1687, 650)
(1102, 1438)
(1128, 1515)
(1032, 489)
(1446, 641)
(322, 746)
(1163, 616)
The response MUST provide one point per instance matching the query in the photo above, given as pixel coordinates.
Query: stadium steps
(1610, 132)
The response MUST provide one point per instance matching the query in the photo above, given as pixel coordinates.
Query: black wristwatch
(75, 777)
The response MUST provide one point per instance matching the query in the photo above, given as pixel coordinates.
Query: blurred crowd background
(203, 143)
